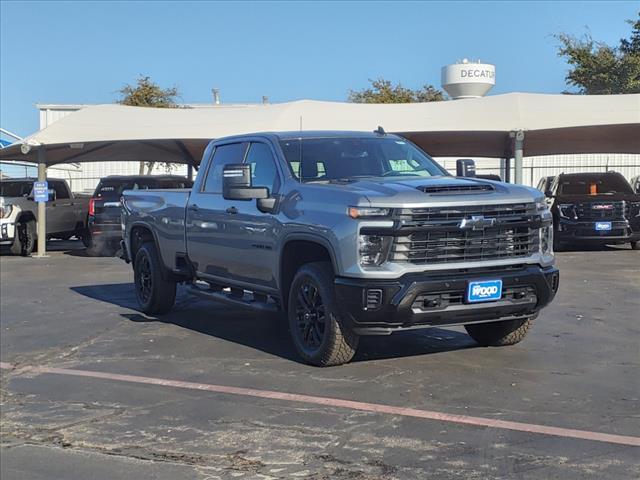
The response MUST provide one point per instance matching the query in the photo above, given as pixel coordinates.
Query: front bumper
(438, 299)
(7, 233)
(574, 231)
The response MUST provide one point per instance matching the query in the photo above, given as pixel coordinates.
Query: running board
(246, 301)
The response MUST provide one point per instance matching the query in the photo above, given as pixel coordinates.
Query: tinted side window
(171, 184)
(263, 166)
(61, 190)
(224, 155)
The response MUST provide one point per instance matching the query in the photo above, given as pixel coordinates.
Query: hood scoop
(456, 189)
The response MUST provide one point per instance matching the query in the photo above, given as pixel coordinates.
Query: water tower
(468, 79)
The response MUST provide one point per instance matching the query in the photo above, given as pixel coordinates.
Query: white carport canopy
(553, 124)
(506, 126)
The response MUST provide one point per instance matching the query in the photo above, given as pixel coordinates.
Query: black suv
(104, 226)
(595, 208)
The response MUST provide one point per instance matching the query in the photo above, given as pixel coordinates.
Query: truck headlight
(5, 212)
(368, 212)
(373, 249)
(546, 240)
(568, 211)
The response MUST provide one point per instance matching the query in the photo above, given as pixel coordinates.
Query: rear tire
(155, 294)
(24, 241)
(85, 236)
(635, 245)
(500, 334)
(317, 327)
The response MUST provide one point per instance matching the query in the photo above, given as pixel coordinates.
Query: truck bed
(164, 212)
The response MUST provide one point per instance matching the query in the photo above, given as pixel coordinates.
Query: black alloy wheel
(144, 280)
(156, 293)
(311, 316)
(318, 328)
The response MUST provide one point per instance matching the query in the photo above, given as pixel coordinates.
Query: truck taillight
(92, 206)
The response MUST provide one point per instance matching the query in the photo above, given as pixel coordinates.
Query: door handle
(193, 207)
(232, 210)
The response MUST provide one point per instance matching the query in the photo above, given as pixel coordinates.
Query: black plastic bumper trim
(396, 311)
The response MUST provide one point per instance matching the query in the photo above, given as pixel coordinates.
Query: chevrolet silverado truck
(66, 213)
(350, 234)
(593, 208)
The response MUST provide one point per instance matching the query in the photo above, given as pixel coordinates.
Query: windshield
(326, 159)
(594, 185)
(15, 189)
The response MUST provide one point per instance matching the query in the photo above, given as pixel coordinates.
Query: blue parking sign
(41, 191)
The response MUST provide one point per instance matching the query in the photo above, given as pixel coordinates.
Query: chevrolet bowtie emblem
(477, 222)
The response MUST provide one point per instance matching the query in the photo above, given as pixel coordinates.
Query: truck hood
(416, 192)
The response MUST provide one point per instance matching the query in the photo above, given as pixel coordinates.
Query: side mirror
(236, 183)
(465, 167)
(548, 193)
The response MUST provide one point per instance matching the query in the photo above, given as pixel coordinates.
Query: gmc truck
(350, 234)
(593, 208)
(66, 214)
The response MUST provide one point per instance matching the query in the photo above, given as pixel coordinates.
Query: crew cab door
(61, 215)
(209, 241)
(254, 231)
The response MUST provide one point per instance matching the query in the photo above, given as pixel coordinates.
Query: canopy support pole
(190, 172)
(518, 153)
(507, 169)
(42, 206)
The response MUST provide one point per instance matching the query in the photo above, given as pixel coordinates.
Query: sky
(84, 52)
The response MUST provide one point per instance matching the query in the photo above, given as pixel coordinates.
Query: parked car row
(95, 220)
(588, 208)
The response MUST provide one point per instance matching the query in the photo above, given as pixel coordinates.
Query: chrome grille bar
(433, 234)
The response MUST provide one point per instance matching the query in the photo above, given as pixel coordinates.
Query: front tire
(155, 294)
(499, 334)
(317, 328)
(24, 242)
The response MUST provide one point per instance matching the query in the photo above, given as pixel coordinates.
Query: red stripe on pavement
(340, 403)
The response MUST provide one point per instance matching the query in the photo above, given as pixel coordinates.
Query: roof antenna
(380, 131)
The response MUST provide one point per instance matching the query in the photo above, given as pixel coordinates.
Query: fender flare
(309, 237)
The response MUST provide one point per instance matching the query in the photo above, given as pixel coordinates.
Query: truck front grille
(593, 211)
(433, 235)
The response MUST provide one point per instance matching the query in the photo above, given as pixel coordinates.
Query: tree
(146, 93)
(382, 91)
(597, 68)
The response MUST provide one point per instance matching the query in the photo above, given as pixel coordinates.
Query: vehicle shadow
(596, 248)
(268, 332)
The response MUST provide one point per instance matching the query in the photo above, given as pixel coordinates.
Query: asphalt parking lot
(91, 388)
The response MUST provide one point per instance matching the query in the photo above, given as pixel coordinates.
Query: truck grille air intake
(602, 210)
(434, 235)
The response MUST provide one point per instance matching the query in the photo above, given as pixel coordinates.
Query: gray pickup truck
(351, 234)
(66, 213)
